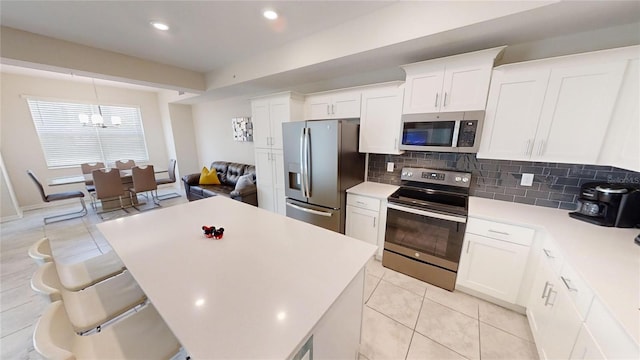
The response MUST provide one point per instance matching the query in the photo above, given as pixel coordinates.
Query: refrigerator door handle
(307, 137)
(310, 211)
(302, 158)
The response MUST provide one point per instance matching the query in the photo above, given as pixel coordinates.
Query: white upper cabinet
(513, 110)
(621, 147)
(334, 105)
(455, 83)
(553, 110)
(380, 120)
(267, 116)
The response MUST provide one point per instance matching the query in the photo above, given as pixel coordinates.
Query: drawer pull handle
(499, 232)
(548, 253)
(361, 203)
(567, 283)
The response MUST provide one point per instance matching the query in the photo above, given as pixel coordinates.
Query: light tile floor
(404, 318)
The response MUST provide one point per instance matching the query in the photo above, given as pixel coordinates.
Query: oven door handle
(460, 219)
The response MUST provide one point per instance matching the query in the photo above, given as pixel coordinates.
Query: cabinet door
(264, 179)
(561, 332)
(345, 105)
(279, 183)
(465, 88)
(621, 147)
(513, 111)
(493, 267)
(586, 347)
(576, 112)
(317, 107)
(261, 123)
(362, 224)
(279, 112)
(380, 121)
(538, 313)
(423, 92)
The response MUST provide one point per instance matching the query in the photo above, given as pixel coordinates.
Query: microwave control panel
(467, 134)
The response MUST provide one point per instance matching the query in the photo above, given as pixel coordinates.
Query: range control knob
(465, 179)
(404, 173)
(409, 174)
(417, 254)
(458, 178)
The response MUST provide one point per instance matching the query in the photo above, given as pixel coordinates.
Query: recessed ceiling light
(160, 26)
(270, 14)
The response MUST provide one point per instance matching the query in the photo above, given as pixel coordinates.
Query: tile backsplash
(555, 185)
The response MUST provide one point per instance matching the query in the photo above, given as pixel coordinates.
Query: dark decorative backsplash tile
(554, 185)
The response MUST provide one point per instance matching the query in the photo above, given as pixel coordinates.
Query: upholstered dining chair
(87, 169)
(78, 275)
(59, 196)
(171, 171)
(125, 164)
(94, 305)
(144, 181)
(138, 335)
(108, 187)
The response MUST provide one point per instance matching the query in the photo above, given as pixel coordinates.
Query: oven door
(426, 236)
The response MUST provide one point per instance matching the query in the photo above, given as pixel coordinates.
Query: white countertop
(256, 293)
(606, 258)
(373, 189)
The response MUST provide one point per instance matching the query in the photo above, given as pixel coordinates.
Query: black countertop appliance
(608, 204)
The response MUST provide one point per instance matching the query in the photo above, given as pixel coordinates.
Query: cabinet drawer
(579, 292)
(499, 231)
(363, 202)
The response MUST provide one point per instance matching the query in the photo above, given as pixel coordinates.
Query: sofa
(228, 174)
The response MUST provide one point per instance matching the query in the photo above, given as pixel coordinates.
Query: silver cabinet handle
(328, 112)
(527, 146)
(310, 211)
(547, 302)
(541, 147)
(544, 291)
(444, 103)
(468, 245)
(333, 109)
(498, 232)
(436, 104)
(567, 283)
(374, 221)
(548, 253)
(395, 143)
(361, 203)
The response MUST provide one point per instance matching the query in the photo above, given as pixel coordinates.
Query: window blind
(66, 142)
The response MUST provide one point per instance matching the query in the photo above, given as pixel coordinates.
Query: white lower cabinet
(270, 180)
(554, 320)
(366, 220)
(586, 347)
(566, 318)
(494, 258)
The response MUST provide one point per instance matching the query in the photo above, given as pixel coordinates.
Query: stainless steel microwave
(446, 132)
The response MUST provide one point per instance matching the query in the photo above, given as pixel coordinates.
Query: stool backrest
(38, 184)
(107, 183)
(144, 178)
(125, 164)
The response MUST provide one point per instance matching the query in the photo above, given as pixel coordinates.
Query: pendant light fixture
(97, 120)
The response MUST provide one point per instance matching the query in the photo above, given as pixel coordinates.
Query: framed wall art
(242, 129)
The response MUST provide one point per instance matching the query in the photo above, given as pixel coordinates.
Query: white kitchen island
(261, 291)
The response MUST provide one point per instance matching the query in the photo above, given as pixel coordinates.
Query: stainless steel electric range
(426, 221)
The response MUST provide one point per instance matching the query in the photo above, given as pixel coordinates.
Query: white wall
(183, 138)
(20, 144)
(214, 135)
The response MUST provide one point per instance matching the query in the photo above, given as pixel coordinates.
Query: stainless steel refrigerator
(321, 161)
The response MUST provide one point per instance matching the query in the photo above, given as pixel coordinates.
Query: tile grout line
(479, 336)
(413, 333)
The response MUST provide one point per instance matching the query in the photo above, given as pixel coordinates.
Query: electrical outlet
(527, 179)
(390, 167)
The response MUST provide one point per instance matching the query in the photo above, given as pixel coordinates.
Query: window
(66, 142)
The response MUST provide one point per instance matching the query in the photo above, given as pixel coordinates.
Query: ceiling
(203, 35)
(209, 35)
